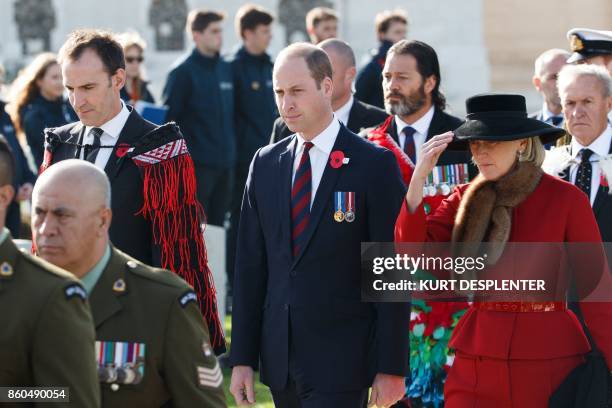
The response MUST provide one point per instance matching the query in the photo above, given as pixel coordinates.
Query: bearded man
(411, 85)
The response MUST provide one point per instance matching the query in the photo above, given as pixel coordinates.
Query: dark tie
(300, 200)
(95, 147)
(585, 170)
(556, 120)
(409, 146)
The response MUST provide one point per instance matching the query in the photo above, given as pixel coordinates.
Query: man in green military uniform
(152, 346)
(47, 336)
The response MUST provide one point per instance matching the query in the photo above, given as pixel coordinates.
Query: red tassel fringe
(170, 202)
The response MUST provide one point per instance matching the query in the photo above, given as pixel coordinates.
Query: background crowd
(225, 108)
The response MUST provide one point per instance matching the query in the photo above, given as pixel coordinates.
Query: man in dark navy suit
(310, 200)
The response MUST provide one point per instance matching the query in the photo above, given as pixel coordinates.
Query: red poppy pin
(122, 150)
(603, 181)
(337, 159)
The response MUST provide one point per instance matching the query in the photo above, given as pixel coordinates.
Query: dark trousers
(294, 397)
(298, 393)
(241, 172)
(214, 192)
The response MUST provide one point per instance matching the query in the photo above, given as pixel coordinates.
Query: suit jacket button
(293, 273)
(286, 306)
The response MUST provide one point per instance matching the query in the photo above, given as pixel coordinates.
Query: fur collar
(485, 211)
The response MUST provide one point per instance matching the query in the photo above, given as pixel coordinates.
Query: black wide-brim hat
(500, 117)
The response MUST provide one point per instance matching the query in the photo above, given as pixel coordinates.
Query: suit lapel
(602, 194)
(355, 114)
(393, 132)
(436, 125)
(285, 162)
(104, 301)
(132, 130)
(324, 191)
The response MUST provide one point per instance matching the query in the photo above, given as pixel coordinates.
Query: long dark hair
(427, 65)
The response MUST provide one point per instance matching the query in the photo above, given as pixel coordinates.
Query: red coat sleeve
(582, 227)
(436, 227)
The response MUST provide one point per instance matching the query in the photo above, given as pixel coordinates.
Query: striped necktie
(301, 193)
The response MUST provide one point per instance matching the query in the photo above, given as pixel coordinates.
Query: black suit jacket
(361, 116)
(602, 208)
(440, 123)
(129, 232)
(314, 299)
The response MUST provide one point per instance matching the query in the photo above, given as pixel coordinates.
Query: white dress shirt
(600, 148)
(422, 130)
(111, 129)
(319, 154)
(344, 111)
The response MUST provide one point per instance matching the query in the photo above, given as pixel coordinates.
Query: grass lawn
(262, 394)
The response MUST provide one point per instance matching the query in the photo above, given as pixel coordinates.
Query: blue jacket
(42, 113)
(200, 99)
(314, 299)
(23, 173)
(368, 85)
(255, 109)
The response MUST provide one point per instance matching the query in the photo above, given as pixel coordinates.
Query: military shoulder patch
(75, 290)
(187, 297)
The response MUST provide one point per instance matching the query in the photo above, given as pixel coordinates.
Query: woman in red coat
(509, 354)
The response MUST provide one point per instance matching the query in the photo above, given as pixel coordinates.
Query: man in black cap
(591, 47)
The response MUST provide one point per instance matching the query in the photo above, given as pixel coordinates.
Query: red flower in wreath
(122, 149)
(336, 159)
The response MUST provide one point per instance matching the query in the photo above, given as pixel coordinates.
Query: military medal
(350, 212)
(444, 187)
(453, 176)
(120, 362)
(338, 205)
(433, 190)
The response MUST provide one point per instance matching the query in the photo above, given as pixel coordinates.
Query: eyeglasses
(131, 60)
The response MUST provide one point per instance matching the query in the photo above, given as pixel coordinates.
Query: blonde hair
(25, 87)
(534, 152)
(131, 39)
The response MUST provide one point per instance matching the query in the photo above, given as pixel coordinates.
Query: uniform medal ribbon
(350, 212)
(339, 206)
